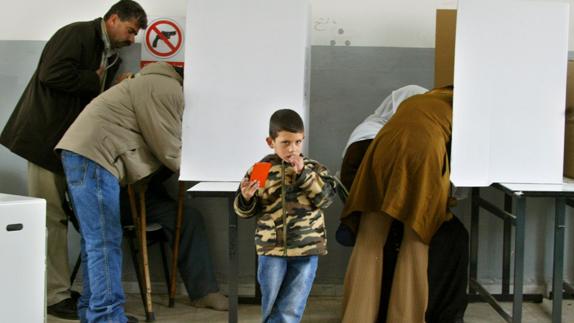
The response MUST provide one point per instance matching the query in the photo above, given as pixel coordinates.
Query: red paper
(260, 172)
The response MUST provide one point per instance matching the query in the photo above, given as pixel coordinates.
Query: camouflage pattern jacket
(290, 201)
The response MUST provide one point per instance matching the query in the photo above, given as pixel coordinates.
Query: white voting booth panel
(23, 254)
(243, 60)
(509, 81)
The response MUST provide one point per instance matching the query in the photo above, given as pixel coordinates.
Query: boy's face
(287, 144)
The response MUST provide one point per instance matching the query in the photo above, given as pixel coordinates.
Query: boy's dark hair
(128, 10)
(285, 120)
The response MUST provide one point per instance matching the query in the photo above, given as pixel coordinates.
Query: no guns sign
(163, 41)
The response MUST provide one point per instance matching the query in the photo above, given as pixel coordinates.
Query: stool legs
(175, 249)
(164, 263)
(141, 226)
(131, 236)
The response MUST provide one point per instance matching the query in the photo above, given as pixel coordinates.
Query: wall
(347, 84)
(392, 23)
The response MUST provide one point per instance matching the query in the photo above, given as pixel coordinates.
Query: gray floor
(321, 310)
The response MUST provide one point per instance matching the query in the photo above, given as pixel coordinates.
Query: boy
(290, 233)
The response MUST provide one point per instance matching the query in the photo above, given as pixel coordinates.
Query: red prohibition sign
(173, 48)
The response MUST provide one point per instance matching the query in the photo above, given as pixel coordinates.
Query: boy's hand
(297, 163)
(248, 188)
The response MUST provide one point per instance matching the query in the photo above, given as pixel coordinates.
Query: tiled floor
(322, 310)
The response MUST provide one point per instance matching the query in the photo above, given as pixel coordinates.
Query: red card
(260, 172)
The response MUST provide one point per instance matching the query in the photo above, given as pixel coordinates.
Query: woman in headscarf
(359, 142)
(369, 128)
(404, 176)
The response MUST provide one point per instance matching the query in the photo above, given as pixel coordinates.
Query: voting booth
(510, 85)
(243, 61)
(510, 61)
(23, 254)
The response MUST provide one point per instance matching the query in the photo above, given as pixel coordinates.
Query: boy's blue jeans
(95, 198)
(285, 285)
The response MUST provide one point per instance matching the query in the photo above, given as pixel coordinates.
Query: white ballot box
(23, 256)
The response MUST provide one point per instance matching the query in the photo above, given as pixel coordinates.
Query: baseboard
(323, 290)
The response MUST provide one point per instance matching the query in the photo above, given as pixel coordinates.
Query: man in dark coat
(77, 63)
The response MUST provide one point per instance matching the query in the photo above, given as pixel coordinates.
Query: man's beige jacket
(134, 127)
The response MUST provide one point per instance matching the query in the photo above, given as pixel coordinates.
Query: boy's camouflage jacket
(294, 200)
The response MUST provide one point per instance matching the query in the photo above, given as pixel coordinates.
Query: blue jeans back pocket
(75, 167)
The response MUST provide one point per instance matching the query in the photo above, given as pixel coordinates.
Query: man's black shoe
(131, 319)
(65, 309)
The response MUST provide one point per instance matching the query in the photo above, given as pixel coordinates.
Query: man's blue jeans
(285, 285)
(95, 198)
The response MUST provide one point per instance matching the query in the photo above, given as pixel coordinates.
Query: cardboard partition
(510, 81)
(444, 47)
(243, 61)
(569, 131)
(444, 75)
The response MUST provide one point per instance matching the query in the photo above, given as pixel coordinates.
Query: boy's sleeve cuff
(301, 178)
(246, 205)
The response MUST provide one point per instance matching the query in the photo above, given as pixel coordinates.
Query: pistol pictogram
(167, 35)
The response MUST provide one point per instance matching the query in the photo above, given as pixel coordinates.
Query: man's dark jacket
(64, 82)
